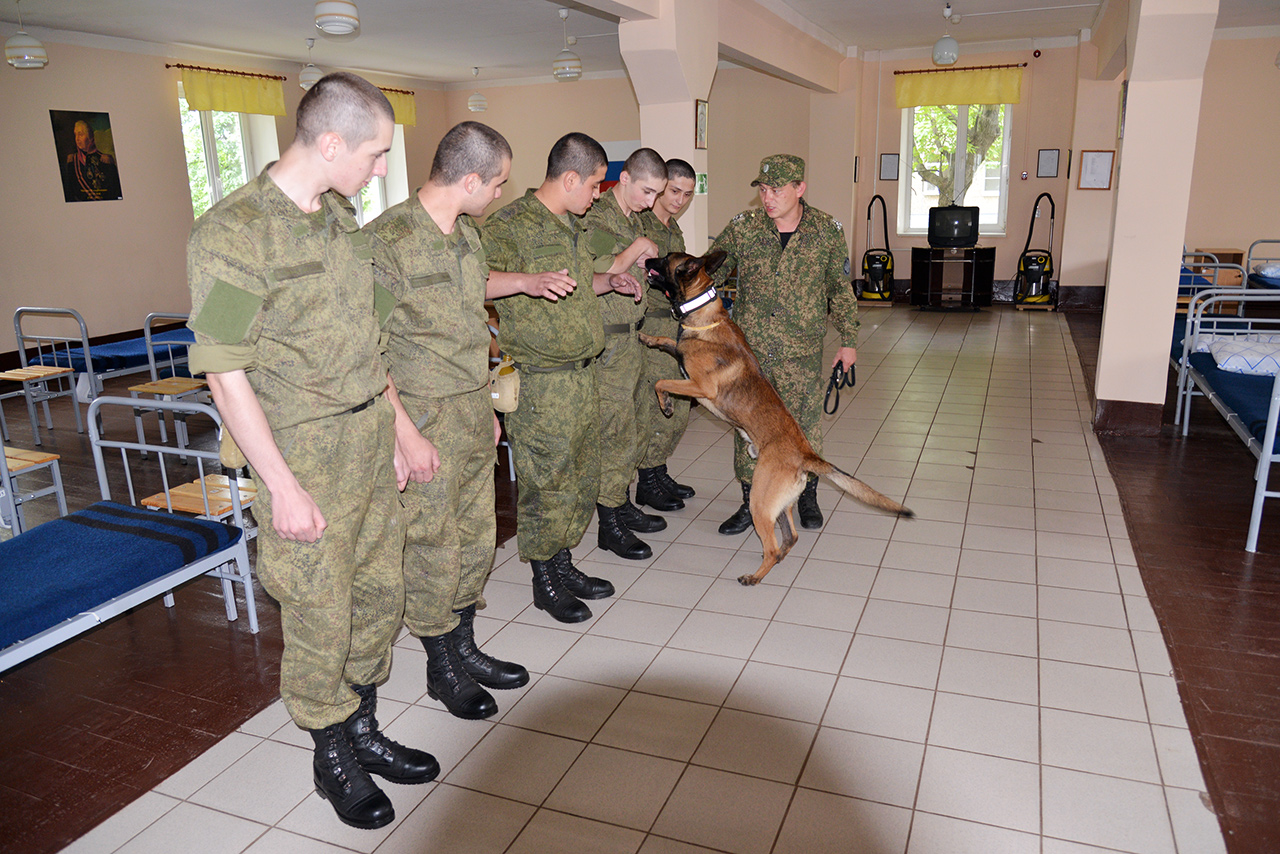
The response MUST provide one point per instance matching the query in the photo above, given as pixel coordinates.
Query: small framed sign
(888, 167)
(1095, 170)
(700, 124)
(1047, 163)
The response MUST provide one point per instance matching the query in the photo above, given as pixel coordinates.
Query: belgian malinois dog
(724, 376)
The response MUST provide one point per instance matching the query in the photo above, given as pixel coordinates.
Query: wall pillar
(671, 61)
(1167, 45)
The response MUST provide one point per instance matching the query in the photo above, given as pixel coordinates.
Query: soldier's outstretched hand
(551, 285)
(625, 283)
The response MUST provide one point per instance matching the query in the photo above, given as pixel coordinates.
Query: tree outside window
(948, 147)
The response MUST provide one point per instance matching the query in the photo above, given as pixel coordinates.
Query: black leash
(839, 379)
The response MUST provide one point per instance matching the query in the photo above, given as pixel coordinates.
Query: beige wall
(751, 115)
(533, 117)
(115, 262)
(1235, 185)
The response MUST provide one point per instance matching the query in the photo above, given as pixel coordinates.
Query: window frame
(907, 181)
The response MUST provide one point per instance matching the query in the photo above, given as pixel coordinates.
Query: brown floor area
(1187, 505)
(90, 726)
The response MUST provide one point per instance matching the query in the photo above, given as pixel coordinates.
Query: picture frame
(1095, 170)
(86, 152)
(888, 167)
(699, 124)
(1047, 163)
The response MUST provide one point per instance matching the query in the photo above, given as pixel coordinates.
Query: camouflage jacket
(789, 294)
(610, 231)
(290, 298)
(525, 237)
(439, 334)
(669, 238)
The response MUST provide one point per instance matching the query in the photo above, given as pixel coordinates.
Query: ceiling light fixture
(477, 103)
(567, 66)
(22, 50)
(309, 74)
(337, 17)
(947, 50)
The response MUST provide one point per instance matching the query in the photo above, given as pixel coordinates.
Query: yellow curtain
(232, 93)
(963, 86)
(403, 104)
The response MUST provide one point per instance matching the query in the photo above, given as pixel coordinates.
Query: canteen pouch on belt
(229, 452)
(504, 386)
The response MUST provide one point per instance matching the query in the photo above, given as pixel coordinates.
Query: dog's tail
(856, 488)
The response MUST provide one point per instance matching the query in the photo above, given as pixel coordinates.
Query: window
(958, 153)
(219, 154)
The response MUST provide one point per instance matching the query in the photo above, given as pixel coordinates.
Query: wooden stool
(35, 388)
(191, 498)
(18, 461)
(171, 388)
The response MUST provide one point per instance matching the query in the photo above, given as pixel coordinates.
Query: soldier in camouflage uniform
(793, 274)
(613, 236)
(287, 320)
(659, 434)
(428, 254)
(554, 337)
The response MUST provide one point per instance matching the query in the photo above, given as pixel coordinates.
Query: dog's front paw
(664, 401)
(748, 580)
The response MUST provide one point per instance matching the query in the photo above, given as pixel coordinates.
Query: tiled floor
(988, 677)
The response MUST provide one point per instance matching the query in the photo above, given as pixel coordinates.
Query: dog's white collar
(687, 308)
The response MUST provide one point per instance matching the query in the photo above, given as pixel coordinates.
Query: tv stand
(945, 278)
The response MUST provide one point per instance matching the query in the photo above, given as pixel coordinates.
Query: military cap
(779, 169)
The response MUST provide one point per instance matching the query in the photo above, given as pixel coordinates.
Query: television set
(953, 226)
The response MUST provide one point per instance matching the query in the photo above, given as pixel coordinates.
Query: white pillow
(1271, 270)
(1204, 343)
(1247, 357)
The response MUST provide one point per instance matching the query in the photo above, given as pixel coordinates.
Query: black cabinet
(952, 278)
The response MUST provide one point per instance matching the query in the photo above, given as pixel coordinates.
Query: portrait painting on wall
(86, 156)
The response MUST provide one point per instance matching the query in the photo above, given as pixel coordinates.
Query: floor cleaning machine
(1035, 266)
(877, 264)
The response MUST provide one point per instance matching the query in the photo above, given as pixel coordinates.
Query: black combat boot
(484, 669)
(343, 783)
(652, 492)
(578, 582)
(617, 537)
(810, 515)
(449, 683)
(637, 520)
(741, 519)
(679, 490)
(378, 754)
(550, 594)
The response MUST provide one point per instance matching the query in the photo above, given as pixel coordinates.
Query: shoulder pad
(740, 217)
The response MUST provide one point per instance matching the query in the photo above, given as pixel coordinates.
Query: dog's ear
(712, 260)
(688, 268)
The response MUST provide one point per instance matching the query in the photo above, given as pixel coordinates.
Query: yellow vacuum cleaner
(877, 264)
(1035, 266)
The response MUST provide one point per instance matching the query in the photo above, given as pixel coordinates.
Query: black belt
(567, 366)
(361, 407)
(621, 328)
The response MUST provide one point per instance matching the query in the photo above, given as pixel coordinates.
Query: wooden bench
(18, 461)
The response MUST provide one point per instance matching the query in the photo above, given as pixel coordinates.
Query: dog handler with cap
(793, 275)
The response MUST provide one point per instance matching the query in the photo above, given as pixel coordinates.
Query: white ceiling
(440, 40)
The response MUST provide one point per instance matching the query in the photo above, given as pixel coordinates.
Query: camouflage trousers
(659, 434)
(794, 367)
(450, 522)
(555, 442)
(341, 597)
(621, 365)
